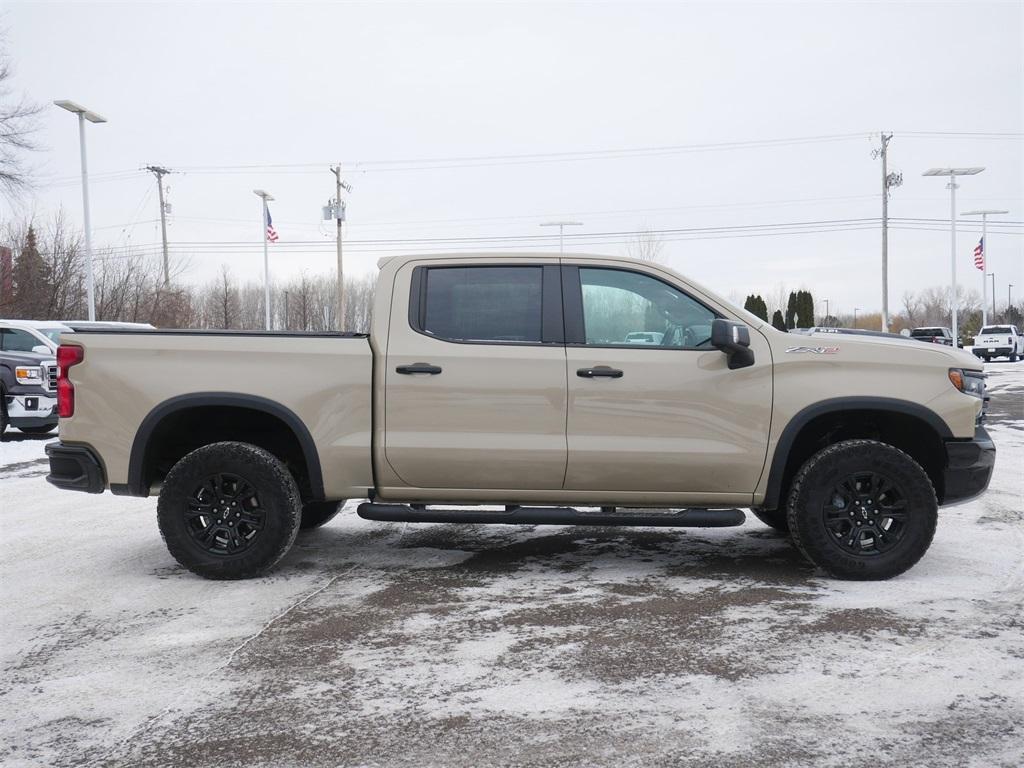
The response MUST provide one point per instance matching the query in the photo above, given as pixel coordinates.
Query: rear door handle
(433, 370)
(600, 371)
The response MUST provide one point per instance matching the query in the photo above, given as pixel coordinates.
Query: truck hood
(894, 348)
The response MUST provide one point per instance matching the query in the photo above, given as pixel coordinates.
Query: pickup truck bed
(135, 383)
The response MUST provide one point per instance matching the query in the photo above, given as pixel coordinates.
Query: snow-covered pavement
(383, 645)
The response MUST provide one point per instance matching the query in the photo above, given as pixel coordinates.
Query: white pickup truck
(999, 341)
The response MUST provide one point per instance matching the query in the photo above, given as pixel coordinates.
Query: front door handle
(433, 370)
(600, 371)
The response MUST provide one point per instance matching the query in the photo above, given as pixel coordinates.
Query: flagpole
(984, 266)
(264, 197)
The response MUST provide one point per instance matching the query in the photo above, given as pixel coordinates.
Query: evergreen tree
(777, 321)
(31, 287)
(756, 306)
(804, 309)
(791, 311)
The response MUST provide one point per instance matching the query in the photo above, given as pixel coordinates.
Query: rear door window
(483, 304)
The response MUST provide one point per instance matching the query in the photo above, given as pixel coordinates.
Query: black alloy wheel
(224, 515)
(866, 513)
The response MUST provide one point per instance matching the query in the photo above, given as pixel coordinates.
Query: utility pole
(159, 172)
(337, 209)
(561, 231)
(826, 314)
(1009, 299)
(993, 276)
(889, 180)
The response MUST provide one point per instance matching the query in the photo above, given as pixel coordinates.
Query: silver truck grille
(51, 377)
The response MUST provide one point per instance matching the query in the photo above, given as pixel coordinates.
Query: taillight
(67, 355)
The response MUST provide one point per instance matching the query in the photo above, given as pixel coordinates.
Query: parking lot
(391, 644)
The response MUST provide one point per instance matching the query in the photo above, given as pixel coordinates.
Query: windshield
(1000, 329)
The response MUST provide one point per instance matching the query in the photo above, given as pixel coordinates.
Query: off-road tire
(273, 486)
(318, 513)
(813, 489)
(773, 518)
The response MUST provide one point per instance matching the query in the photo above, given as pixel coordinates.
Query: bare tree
(18, 126)
(645, 246)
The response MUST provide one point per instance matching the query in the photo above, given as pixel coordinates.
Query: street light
(855, 311)
(984, 255)
(993, 276)
(83, 115)
(953, 173)
(561, 230)
(265, 197)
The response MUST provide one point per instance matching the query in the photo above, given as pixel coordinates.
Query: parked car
(934, 335)
(845, 331)
(850, 443)
(999, 341)
(644, 337)
(28, 380)
(26, 335)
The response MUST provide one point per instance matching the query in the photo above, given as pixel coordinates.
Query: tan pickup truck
(527, 389)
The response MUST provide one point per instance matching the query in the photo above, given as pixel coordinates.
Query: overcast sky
(287, 89)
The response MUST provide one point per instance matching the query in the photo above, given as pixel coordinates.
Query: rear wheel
(861, 509)
(318, 513)
(229, 511)
(3, 411)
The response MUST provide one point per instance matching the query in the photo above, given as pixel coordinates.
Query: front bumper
(75, 468)
(969, 466)
(31, 410)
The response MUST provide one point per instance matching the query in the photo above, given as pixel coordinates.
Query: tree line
(46, 280)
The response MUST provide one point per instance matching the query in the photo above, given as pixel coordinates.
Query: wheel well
(911, 434)
(183, 430)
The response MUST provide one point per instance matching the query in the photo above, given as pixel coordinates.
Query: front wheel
(861, 509)
(229, 511)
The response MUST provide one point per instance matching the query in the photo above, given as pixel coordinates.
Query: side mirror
(733, 339)
(42, 349)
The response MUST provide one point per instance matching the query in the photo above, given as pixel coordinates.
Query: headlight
(29, 374)
(968, 382)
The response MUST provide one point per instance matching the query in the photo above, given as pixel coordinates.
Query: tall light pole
(855, 311)
(825, 323)
(993, 276)
(1009, 299)
(953, 173)
(83, 115)
(265, 197)
(984, 255)
(561, 231)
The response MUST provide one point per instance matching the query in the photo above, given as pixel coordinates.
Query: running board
(681, 518)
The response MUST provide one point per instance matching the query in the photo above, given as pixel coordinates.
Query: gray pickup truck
(515, 383)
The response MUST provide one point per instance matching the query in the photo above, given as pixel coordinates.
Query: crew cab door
(652, 406)
(475, 391)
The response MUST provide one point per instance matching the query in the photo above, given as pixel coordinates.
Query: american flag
(271, 232)
(979, 255)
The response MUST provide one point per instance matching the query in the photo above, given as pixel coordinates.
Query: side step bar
(682, 518)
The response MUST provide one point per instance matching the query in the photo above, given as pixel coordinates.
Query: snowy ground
(391, 645)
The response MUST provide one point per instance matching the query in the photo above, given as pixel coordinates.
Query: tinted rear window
(484, 303)
(997, 329)
(927, 332)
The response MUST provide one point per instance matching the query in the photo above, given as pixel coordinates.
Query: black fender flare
(136, 461)
(836, 405)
